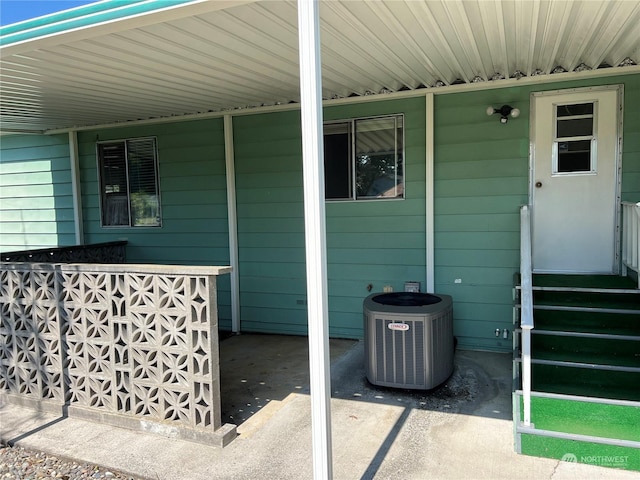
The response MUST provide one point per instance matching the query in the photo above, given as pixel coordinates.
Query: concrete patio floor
(461, 430)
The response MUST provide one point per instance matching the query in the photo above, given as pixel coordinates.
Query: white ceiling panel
(217, 56)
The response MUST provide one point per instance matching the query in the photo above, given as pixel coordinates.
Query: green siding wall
(194, 228)
(36, 199)
(380, 242)
(631, 139)
(481, 172)
(481, 179)
(270, 222)
(375, 242)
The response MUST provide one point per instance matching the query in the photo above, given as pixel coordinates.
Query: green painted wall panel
(36, 204)
(39, 227)
(270, 222)
(53, 164)
(493, 168)
(483, 205)
(502, 222)
(377, 256)
(273, 180)
(54, 147)
(276, 256)
(378, 224)
(409, 207)
(260, 284)
(277, 224)
(474, 258)
(28, 191)
(61, 202)
(35, 178)
(194, 228)
(474, 187)
(446, 276)
(186, 198)
(482, 178)
(256, 210)
(275, 273)
(267, 239)
(461, 239)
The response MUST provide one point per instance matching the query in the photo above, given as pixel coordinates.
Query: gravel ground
(18, 463)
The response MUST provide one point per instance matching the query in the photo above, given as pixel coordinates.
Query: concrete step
(580, 429)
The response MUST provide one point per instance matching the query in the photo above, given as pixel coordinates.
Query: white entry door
(574, 180)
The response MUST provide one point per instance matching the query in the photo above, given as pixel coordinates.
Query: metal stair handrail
(631, 238)
(526, 308)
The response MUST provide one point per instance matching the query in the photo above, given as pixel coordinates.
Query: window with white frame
(363, 158)
(129, 190)
(574, 139)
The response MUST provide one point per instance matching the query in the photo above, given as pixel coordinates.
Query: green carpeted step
(629, 302)
(584, 281)
(623, 353)
(611, 456)
(604, 420)
(586, 382)
(587, 322)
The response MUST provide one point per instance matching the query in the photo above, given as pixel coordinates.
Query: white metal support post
(526, 309)
(233, 222)
(315, 235)
(429, 194)
(74, 161)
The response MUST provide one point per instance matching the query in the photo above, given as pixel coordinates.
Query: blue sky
(12, 11)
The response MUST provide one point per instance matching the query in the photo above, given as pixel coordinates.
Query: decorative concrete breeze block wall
(131, 345)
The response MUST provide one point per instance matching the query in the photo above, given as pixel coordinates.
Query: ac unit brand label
(403, 327)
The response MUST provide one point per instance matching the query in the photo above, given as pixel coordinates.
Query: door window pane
(575, 109)
(575, 127)
(574, 138)
(574, 156)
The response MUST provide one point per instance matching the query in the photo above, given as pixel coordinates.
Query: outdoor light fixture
(505, 112)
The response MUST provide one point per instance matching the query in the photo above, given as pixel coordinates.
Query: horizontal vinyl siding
(36, 195)
(631, 140)
(372, 242)
(379, 242)
(481, 179)
(270, 222)
(194, 228)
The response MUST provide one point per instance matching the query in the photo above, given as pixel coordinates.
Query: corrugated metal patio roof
(191, 57)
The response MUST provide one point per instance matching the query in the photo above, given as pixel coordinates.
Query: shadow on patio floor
(257, 370)
(261, 371)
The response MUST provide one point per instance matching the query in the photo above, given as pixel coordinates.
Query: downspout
(429, 194)
(315, 235)
(74, 163)
(233, 222)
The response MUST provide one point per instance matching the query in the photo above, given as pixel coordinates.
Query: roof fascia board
(63, 16)
(104, 22)
(444, 90)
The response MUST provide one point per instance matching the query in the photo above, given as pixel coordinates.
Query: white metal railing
(631, 238)
(526, 308)
(131, 345)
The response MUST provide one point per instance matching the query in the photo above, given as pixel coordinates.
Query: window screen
(129, 183)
